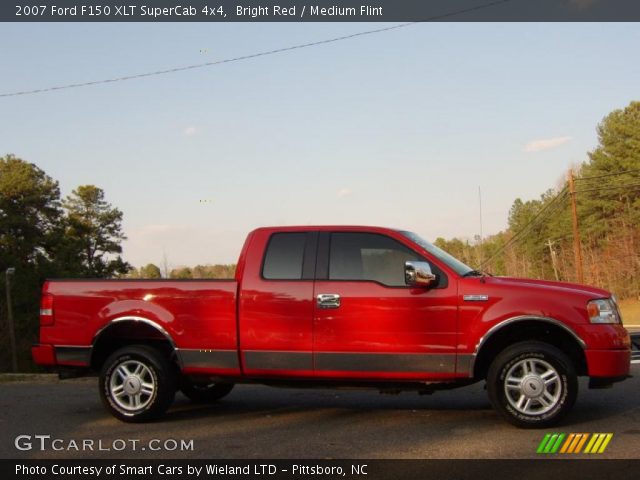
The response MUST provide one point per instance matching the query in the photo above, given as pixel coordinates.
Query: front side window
(368, 256)
(452, 262)
(284, 256)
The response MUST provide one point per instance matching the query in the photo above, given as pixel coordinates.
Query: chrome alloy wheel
(532, 386)
(132, 385)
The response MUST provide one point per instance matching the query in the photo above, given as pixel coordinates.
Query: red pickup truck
(338, 307)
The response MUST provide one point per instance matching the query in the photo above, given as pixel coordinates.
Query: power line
(561, 194)
(631, 186)
(607, 175)
(254, 55)
(516, 237)
(206, 64)
(610, 187)
(552, 211)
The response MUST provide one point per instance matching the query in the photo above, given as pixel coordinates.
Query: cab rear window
(284, 256)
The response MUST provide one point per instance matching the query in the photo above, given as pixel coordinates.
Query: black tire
(154, 385)
(547, 398)
(205, 392)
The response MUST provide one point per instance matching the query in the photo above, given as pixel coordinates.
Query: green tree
(30, 216)
(150, 271)
(94, 231)
(132, 273)
(490, 247)
(214, 271)
(536, 222)
(607, 201)
(181, 273)
(29, 211)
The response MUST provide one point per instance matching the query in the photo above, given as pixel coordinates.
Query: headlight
(603, 311)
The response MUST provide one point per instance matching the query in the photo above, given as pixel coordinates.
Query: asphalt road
(263, 422)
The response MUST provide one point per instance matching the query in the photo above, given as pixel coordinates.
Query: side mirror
(418, 274)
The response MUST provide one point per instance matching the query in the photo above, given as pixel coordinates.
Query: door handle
(328, 300)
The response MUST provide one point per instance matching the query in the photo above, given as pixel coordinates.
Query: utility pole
(577, 249)
(553, 259)
(480, 205)
(165, 264)
(12, 336)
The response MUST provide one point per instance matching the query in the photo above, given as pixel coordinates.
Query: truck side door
(275, 309)
(368, 323)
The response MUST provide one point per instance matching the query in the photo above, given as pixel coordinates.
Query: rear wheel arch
(132, 330)
(528, 328)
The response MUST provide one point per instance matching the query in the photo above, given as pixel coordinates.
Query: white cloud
(190, 131)
(343, 192)
(545, 144)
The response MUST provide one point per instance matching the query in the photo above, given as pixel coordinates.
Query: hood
(565, 287)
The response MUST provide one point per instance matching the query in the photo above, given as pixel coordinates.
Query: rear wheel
(205, 392)
(137, 384)
(532, 384)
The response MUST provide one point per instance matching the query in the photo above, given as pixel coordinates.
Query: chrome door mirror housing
(418, 274)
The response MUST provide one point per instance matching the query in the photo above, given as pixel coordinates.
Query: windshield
(451, 261)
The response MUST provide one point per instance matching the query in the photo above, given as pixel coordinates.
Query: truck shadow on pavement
(591, 406)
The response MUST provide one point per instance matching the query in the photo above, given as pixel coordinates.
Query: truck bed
(191, 313)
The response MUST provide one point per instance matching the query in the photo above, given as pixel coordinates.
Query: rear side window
(366, 256)
(284, 256)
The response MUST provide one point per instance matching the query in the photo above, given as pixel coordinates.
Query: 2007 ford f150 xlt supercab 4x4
(336, 307)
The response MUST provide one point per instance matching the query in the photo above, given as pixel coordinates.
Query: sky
(396, 129)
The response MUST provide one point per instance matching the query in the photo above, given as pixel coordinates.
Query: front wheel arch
(528, 329)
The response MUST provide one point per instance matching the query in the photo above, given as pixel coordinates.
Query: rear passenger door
(276, 304)
(368, 323)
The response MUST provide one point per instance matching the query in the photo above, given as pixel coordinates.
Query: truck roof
(296, 228)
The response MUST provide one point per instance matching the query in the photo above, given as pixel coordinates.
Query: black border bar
(449, 469)
(319, 10)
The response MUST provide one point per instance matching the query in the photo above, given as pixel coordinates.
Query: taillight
(46, 309)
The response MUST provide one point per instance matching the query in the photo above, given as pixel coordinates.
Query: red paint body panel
(373, 318)
(273, 328)
(196, 314)
(608, 363)
(43, 355)
(273, 316)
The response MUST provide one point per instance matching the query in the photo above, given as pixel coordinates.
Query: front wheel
(137, 384)
(532, 384)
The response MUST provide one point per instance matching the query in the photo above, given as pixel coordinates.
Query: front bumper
(608, 363)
